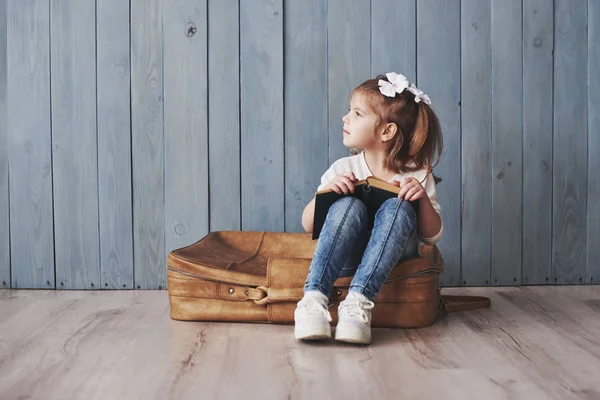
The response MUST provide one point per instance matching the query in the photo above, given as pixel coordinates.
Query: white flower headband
(397, 83)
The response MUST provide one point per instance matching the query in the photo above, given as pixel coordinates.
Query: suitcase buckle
(265, 293)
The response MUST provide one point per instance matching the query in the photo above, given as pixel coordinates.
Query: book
(371, 190)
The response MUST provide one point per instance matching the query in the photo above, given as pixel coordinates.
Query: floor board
(535, 342)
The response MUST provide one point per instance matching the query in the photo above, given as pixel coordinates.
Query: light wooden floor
(534, 343)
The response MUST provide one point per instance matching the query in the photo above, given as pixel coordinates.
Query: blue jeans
(353, 242)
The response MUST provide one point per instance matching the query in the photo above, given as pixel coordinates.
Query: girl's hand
(410, 189)
(342, 183)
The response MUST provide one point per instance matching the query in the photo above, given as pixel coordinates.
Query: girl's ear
(389, 132)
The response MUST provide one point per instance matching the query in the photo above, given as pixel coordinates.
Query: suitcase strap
(448, 303)
(452, 303)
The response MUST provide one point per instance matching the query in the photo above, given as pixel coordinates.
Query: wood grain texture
(348, 63)
(4, 194)
(224, 115)
(438, 44)
(30, 158)
(74, 144)
(261, 115)
(147, 133)
(186, 126)
(305, 105)
(476, 146)
(255, 94)
(507, 142)
(533, 343)
(593, 199)
(538, 45)
(388, 52)
(114, 144)
(570, 151)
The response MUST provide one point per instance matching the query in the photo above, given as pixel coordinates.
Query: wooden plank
(570, 142)
(185, 115)
(74, 144)
(114, 144)
(438, 43)
(147, 144)
(224, 115)
(538, 44)
(305, 105)
(30, 174)
(4, 195)
(476, 120)
(387, 52)
(533, 343)
(261, 115)
(507, 142)
(348, 62)
(593, 199)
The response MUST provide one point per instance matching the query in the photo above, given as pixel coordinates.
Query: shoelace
(353, 308)
(314, 305)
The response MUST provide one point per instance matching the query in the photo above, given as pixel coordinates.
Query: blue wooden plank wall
(128, 129)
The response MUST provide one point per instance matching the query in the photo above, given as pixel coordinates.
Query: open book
(371, 190)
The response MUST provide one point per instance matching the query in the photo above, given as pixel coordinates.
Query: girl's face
(360, 124)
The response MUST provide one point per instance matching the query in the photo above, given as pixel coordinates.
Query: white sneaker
(312, 317)
(354, 319)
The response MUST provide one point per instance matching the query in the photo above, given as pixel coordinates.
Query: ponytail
(426, 142)
(419, 136)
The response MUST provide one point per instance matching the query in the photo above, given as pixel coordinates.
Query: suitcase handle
(453, 303)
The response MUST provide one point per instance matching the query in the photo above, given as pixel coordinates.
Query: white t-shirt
(358, 165)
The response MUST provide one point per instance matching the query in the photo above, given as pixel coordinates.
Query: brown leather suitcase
(254, 276)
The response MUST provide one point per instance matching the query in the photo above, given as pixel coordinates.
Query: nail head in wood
(190, 29)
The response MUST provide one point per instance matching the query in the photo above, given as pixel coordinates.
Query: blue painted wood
(261, 116)
(593, 199)
(438, 74)
(224, 115)
(570, 151)
(476, 147)
(507, 142)
(147, 144)
(74, 144)
(538, 44)
(4, 203)
(185, 116)
(254, 107)
(394, 37)
(348, 55)
(114, 144)
(30, 161)
(305, 105)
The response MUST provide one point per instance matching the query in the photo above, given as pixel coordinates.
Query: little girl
(392, 122)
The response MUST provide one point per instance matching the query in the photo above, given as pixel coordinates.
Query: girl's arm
(308, 216)
(429, 223)
(428, 220)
